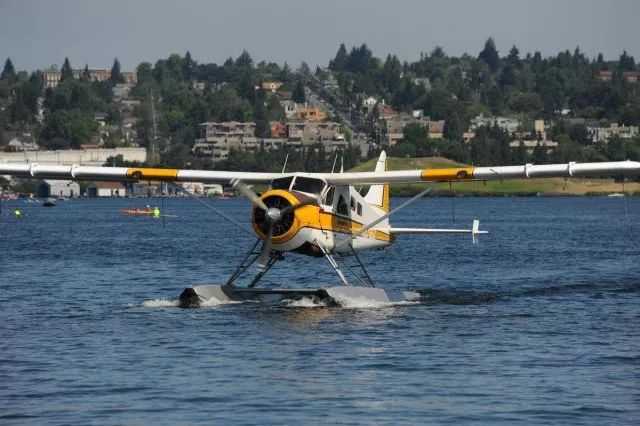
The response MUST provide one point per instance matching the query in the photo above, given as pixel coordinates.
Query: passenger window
(342, 206)
(328, 198)
(353, 205)
(359, 209)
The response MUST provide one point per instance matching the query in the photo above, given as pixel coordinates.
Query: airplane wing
(75, 172)
(619, 168)
(124, 174)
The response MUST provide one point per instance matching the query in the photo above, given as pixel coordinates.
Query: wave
(471, 297)
(304, 302)
(161, 303)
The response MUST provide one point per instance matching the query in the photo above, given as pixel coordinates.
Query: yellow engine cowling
(291, 223)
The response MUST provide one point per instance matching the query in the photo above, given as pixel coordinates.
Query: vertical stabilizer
(378, 195)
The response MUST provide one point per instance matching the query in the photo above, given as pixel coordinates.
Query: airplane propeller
(273, 216)
(250, 194)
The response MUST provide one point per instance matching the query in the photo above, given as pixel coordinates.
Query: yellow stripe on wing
(144, 173)
(444, 175)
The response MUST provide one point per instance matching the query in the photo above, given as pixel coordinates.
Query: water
(537, 324)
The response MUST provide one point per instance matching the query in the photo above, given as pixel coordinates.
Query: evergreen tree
(339, 63)
(188, 66)
(8, 72)
(490, 55)
(86, 76)
(626, 63)
(514, 57)
(66, 74)
(116, 74)
(244, 60)
(453, 128)
(298, 94)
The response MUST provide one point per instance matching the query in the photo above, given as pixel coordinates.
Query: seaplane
(321, 215)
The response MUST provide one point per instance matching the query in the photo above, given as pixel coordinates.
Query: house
(198, 86)
(508, 124)
(271, 86)
(368, 104)
(278, 129)
(58, 188)
(211, 189)
(530, 145)
(436, 129)
(107, 189)
(311, 114)
(604, 76)
(130, 78)
(52, 76)
(194, 188)
(599, 134)
(423, 81)
(18, 144)
(121, 91)
(290, 108)
(631, 76)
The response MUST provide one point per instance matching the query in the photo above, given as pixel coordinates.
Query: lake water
(539, 323)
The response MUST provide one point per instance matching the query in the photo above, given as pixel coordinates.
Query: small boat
(615, 195)
(49, 202)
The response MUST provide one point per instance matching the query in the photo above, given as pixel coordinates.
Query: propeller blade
(248, 192)
(263, 260)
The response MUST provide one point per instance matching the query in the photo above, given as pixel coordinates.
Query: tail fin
(378, 195)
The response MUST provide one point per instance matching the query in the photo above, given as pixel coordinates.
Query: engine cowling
(283, 225)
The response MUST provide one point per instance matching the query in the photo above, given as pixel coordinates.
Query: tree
(339, 63)
(66, 74)
(144, 71)
(453, 128)
(490, 55)
(244, 60)
(116, 74)
(188, 66)
(514, 57)
(298, 94)
(626, 63)
(85, 76)
(8, 72)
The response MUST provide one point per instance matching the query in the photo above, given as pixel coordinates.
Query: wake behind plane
(320, 215)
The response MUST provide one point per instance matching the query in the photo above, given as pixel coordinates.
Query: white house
(107, 189)
(59, 188)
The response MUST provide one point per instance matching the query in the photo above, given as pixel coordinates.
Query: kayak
(137, 212)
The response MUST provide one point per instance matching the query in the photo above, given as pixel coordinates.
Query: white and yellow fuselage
(332, 219)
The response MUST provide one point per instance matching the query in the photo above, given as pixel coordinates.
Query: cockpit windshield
(281, 183)
(308, 185)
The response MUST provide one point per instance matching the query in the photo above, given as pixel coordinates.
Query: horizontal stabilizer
(475, 230)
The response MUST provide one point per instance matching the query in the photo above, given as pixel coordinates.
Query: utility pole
(154, 155)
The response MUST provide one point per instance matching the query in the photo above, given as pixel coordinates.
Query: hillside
(519, 187)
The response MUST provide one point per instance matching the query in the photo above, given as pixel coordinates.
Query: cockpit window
(308, 185)
(328, 198)
(281, 183)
